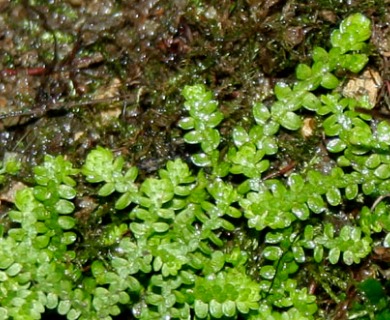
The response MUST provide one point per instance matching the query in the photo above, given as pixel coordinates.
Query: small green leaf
(303, 71)
(348, 257)
(383, 132)
(201, 159)
(373, 161)
(354, 62)
(311, 102)
(201, 309)
(160, 227)
(319, 54)
(124, 201)
(334, 255)
(66, 192)
(267, 272)
(271, 128)
(66, 223)
(351, 191)
(229, 308)
(261, 113)
(329, 230)
(240, 136)
(187, 123)
(290, 121)
(386, 241)
(301, 211)
(14, 269)
(193, 137)
(159, 191)
(215, 309)
(73, 314)
(64, 207)
(140, 229)
(282, 91)
(299, 254)
(210, 140)
(214, 119)
(318, 253)
(64, 307)
(383, 171)
(41, 241)
(68, 238)
(316, 203)
(336, 145)
(333, 196)
(107, 189)
(329, 81)
(52, 300)
(272, 253)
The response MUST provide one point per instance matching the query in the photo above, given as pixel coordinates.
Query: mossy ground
(115, 81)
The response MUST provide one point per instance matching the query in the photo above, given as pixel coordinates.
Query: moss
(228, 237)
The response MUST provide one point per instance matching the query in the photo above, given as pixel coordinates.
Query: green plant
(225, 238)
(10, 165)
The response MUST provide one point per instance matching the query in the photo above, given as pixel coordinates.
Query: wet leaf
(299, 254)
(240, 136)
(215, 309)
(316, 203)
(383, 171)
(303, 71)
(267, 272)
(201, 160)
(383, 132)
(282, 91)
(351, 191)
(333, 196)
(201, 309)
(66, 192)
(160, 227)
(229, 308)
(354, 62)
(193, 137)
(332, 126)
(64, 207)
(336, 145)
(159, 191)
(311, 102)
(66, 223)
(107, 189)
(272, 253)
(64, 307)
(334, 255)
(319, 54)
(52, 300)
(301, 211)
(290, 121)
(386, 241)
(373, 161)
(261, 113)
(329, 81)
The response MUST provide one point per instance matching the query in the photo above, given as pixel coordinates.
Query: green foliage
(10, 165)
(375, 304)
(227, 238)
